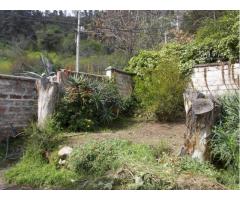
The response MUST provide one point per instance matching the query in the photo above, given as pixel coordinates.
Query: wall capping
(23, 78)
(212, 64)
(118, 70)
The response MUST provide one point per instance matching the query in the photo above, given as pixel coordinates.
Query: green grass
(128, 165)
(35, 172)
(95, 63)
(115, 164)
(110, 164)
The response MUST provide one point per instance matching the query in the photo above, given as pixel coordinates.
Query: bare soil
(151, 133)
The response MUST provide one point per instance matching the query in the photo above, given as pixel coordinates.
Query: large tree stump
(201, 113)
(48, 92)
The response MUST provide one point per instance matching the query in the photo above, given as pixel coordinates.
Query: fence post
(109, 71)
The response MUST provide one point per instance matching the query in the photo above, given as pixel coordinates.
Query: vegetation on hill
(103, 43)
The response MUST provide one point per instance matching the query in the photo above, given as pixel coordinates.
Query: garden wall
(212, 80)
(215, 79)
(123, 80)
(18, 96)
(18, 103)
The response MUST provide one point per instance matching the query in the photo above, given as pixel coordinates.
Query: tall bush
(159, 83)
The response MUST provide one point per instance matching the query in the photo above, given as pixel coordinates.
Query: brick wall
(18, 103)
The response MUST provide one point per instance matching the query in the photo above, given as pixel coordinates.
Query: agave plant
(88, 103)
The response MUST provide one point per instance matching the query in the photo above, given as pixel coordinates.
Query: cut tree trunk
(48, 92)
(201, 113)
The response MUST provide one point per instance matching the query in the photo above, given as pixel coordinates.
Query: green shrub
(159, 84)
(225, 138)
(129, 106)
(37, 168)
(34, 171)
(126, 165)
(97, 158)
(44, 139)
(88, 104)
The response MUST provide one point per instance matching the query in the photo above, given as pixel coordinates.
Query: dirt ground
(151, 133)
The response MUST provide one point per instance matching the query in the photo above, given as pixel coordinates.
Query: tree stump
(48, 92)
(201, 113)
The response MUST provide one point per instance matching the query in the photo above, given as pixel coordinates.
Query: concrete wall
(18, 103)
(123, 80)
(215, 79)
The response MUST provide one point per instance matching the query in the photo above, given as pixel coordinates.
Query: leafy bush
(220, 38)
(159, 83)
(129, 106)
(225, 138)
(215, 40)
(88, 104)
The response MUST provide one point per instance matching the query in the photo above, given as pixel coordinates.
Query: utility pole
(177, 23)
(78, 43)
(165, 37)
(214, 15)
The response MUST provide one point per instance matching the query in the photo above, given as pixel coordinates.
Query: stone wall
(18, 103)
